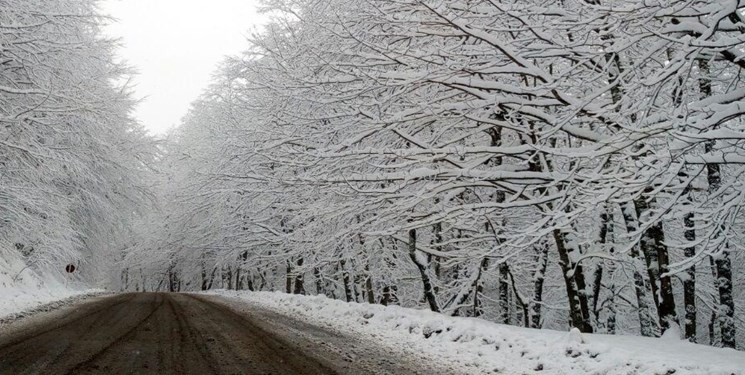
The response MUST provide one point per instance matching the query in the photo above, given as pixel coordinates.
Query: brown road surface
(159, 333)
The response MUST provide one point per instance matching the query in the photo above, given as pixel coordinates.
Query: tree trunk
(346, 279)
(582, 294)
(689, 280)
(429, 293)
(630, 219)
(249, 281)
(212, 278)
(714, 318)
(262, 280)
(436, 242)
(239, 275)
(539, 278)
(238, 281)
(656, 254)
(228, 276)
(723, 265)
(390, 295)
(478, 310)
(124, 279)
(318, 277)
(504, 291)
(606, 243)
(299, 279)
(288, 278)
(575, 313)
(369, 285)
(726, 300)
(171, 281)
(597, 279)
(646, 324)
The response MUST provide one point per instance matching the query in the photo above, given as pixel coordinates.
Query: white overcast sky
(175, 45)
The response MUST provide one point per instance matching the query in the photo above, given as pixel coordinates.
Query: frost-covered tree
(72, 159)
(549, 164)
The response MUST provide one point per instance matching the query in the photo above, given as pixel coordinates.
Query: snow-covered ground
(481, 347)
(22, 290)
(20, 301)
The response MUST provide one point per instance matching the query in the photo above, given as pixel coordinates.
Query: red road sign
(70, 268)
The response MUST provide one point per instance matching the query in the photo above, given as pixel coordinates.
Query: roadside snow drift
(481, 347)
(22, 290)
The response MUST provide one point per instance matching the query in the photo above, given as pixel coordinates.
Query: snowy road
(185, 334)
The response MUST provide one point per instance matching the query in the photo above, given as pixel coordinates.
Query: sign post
(70, 268)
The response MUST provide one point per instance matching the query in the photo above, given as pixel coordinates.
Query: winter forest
(547, 164)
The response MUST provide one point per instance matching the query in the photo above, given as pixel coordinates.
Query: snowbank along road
(155, 333)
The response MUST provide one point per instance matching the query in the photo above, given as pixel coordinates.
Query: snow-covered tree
(465, 155)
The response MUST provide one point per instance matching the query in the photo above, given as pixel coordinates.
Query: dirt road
(155, 333)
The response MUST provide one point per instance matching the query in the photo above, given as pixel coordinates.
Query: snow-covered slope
(482, 347)
(21, 288)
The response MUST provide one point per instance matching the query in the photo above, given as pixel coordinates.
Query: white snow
(16, 300)
(22, 289)
(481, 347)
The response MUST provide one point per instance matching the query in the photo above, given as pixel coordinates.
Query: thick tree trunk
(582, 294)
(714, 317)
(124, 280)
(390, 290)
(646, 324)
(667, 312)
(597, 279)
(229, 277)
(478, 289)
(249, 281)
(357, 286)
(288, 278)
(656, 253)
(369, 290)
(434, 261)
(520, 303)
(262, 280)
(689, 280)
(390, 295)
(212, 278)
(653, 271)
(171, 281)
(429, 292)
(723, 265)
(726, 300)
(539, 278)
(204, 279)
(606, 243)
(318, 277)
(576, 319)
(369, 294)
(239, 274)
(238, 279)
(347, 280)
(611, 320)
(299, 287)
(504, 294)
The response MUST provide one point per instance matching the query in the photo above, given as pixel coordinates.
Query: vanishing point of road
(162, 333)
